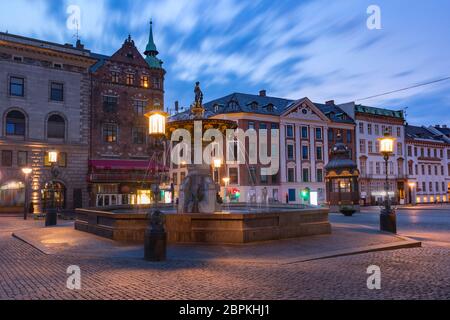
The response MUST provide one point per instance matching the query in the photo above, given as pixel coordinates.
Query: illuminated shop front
(12, 196)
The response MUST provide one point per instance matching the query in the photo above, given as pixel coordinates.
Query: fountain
(199, 217)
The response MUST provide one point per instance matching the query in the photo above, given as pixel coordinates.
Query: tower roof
(151, 52)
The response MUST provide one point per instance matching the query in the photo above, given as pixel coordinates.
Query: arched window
(56, 127)
(15, 123)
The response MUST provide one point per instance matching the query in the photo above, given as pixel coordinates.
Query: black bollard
(155, 242)
(51, 217)
(388, 221)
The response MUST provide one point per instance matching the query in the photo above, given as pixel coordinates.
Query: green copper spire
(151, 52)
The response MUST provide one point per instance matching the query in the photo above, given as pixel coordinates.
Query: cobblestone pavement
(26, 273)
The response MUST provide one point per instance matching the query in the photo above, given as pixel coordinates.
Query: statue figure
(198, 95)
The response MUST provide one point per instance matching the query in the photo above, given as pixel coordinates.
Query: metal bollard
(155, 239)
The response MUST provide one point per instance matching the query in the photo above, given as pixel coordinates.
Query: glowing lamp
(386, 144)
(27, 171)
(157, 123)
(217, 163)
(53, 156)
(226, 180)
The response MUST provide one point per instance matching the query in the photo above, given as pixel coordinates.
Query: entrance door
(77, 198)
(59, 197)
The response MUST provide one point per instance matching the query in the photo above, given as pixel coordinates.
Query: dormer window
(254, 105)
(233, 105)
(130, 55)
(270, 107)
(216, 108)
(17, 59)
(57, 65)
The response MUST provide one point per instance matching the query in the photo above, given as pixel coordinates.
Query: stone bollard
(155, 239)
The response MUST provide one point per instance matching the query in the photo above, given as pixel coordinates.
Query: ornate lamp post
(412, 197)
(388, 220)
(26, 208)
(52, 216)
(155, 235)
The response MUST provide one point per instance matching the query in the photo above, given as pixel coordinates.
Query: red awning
(126, 165)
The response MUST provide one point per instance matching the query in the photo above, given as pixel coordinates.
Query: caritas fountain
(199, 217)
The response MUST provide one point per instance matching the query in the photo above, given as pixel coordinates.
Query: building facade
(44, 104)
(371, 124)
(428, 170)
(122, 160)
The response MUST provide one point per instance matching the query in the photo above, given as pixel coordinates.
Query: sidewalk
(346, 239)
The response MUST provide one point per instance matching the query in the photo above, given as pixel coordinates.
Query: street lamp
(388, 221)
(52, 216)
(217, 163)
(155, 241)
(26, 172)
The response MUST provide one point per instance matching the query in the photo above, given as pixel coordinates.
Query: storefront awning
(126, 165)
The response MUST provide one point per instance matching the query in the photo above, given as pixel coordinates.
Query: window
(251, 125)
(361, 128)
(415, 151)
(274, 126)
(62, 160)
(252, 175)
(290, 152)
(369, 128)
(305, 152)
(443, 186)
(362, 146)
(291, 175)
(377, 130)
(370, 146)
(442, 170)
(262, 126)
(435, 170)
(290, 131)
(254, 105)
(233, 175)
(429, 170)
(270, 107)
(145, 83)
(399, 149)
(424, 187)
(318, 133)
(110, 133)
(139, 107)
(319, 153)
(156, 83)
(114, 77)
(22, 158)
(409, 151)
(15, 123)
(56, 91)
(423, 169)
(330, 135)
(431, 186)
(17, 87)
(139, 135)
(437, 186)
(109, 103)
(349, 136)
(130, 79)
(304, 132)
(7, 158)
(305, 174)
(264, 179)
(319, 175)
(377, 168)
(56, 127)
(17, 59)
(399, 132)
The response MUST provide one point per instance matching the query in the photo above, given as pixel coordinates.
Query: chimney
(263, 93)
(330, 103)
(177, 106)
(79, 45)
(438, 126)
(444, 126)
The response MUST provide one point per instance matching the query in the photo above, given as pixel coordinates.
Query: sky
(318, 49)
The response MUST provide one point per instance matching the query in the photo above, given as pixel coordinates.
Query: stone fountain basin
(231, 227)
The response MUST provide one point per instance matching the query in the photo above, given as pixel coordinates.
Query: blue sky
(320, 49)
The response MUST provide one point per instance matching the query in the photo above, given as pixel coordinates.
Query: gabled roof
(334, 113)
(242, 102)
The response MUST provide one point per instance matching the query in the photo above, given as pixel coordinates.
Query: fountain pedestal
(198, 191)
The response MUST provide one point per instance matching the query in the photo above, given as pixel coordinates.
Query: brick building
(124, 85)
(44, 105)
